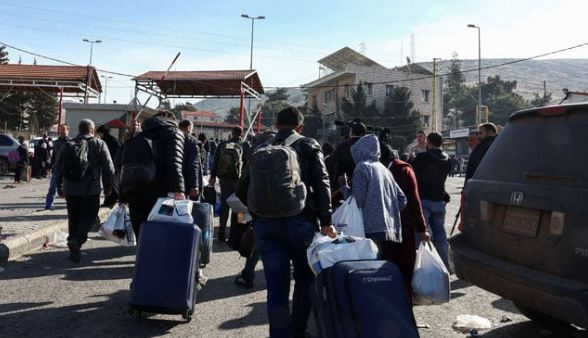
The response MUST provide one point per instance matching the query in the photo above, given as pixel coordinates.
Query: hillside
(558, 74)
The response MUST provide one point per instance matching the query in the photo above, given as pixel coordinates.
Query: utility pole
(434, 103)
(105, 86)
(479, 108)
(89, 74)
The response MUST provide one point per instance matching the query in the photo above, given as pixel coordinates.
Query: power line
(168, 28)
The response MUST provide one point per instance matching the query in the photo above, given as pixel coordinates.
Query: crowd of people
(403, 197)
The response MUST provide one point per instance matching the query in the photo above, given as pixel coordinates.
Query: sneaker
(241, 281)
(74, 251)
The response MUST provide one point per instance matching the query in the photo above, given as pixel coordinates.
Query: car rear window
(5, 141)
(542, 149)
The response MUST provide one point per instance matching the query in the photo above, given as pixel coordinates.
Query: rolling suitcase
(166, 269)
(203, 215)
(362, 299)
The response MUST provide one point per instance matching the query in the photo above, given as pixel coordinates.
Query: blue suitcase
(203, 215)
(362, 299)
(166, 269)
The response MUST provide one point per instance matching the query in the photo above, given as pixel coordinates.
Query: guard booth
(242, 84)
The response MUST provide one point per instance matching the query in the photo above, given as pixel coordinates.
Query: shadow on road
(56, 262)
(225, 287)
(9, 307)
(459, 284)
(257, 316)
(32, 218)
(504, 305)
(533, 330)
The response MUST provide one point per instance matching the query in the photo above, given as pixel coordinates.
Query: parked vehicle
(7, 144)
(525, 216)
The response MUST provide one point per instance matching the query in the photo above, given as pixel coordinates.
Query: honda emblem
(516, 198)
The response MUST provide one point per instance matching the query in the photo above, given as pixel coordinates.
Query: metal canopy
(75, 81)
(347, 56)
(200, 84)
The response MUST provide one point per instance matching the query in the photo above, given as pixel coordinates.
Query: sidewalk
(25, 226)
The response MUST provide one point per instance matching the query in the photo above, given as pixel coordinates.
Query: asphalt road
(45, 295)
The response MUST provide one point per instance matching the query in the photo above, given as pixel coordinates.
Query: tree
(400, 116)
(540, 100)
(233, 116)
(3, 55)
(358, 107)
(501, 99)
(275, 102)
(458, 105)
(43, 108)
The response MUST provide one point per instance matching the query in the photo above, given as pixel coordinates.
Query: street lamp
(479, 72)
(91, 42)
(252, 18)
(105, 86)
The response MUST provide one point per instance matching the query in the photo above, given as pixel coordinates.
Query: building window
(425, 96)
(426, 120)
(326, 94)
(347, 87)
(389, 90)
(369, 87)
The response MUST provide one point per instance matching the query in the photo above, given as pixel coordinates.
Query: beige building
(343, 70)
(209, 123)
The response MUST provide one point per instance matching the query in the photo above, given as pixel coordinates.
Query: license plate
(524, 222)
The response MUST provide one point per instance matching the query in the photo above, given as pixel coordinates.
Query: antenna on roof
(412, 48)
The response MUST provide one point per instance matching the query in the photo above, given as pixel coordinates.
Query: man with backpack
(288, 191)
(113, 145)
(227, 166)
(151, 166)
(80, 166)
(192, 168)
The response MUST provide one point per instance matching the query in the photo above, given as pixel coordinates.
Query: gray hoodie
(376, 192)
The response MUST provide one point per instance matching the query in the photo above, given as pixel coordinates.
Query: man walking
(431, 169)
(303, 204)
(81, 164)
(341, 157)
(191, 168)
(113, 145)
(486, 134)
(227, 166)
(57, 148)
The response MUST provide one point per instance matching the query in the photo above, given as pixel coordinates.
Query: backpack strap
(292, 139)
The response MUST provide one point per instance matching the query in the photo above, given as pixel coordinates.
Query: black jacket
(477, 155)
(168, 144)
(342, 161)
(314, 176)
(58, 146)
(192, 165)
(431, 169)
(112, 144)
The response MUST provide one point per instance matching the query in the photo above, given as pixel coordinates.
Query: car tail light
(556, 226)
(486, 211)
(553, 111)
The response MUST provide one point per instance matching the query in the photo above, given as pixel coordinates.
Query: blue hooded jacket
(376, 192)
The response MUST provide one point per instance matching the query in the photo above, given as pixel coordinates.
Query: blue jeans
(435, 217)
(279, 241)
(51, 193)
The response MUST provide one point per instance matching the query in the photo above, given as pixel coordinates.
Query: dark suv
(526, 216)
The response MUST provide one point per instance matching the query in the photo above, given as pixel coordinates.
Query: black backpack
(137, 164)
(230, 160)
(76, 165)
(275, 180)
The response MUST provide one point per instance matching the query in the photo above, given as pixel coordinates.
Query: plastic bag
(119, 221)
(236, 205)
(172, 211)
(60, 239)
(324, 251)
(430, 281)
(348, 219)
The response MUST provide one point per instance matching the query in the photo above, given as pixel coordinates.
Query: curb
(18, 246)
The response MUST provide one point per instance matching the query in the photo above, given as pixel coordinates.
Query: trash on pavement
(467, 323)
(423, 326)
(505, 319)
(60, 239)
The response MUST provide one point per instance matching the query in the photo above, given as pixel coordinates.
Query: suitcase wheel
(187, 316)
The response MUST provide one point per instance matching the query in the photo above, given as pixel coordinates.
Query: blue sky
(145, 35)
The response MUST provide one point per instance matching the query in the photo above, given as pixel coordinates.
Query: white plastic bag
(119, 219)
(170, 210)
(466, 323)
(236, 205)
(348, 219)
(60, 239)
(430, 281)
(324, 251)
